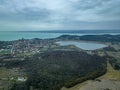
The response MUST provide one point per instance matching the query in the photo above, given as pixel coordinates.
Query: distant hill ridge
(102, 38)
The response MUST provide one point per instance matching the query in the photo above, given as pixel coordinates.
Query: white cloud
(55, 14)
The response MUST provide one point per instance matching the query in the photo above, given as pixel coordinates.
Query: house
(23, 79)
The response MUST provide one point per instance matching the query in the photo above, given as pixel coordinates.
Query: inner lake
(82, 45)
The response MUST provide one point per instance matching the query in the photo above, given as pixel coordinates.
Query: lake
(82, 45)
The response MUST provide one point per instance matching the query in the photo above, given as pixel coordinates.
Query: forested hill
(102, 38)
(55, 69)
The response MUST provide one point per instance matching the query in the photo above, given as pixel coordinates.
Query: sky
(59, 15)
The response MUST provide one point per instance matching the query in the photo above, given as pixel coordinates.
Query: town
(26, 45)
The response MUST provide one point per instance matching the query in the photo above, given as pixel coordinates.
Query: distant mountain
(77, 31)
(82, 31)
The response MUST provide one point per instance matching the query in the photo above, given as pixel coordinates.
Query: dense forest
(55, 69)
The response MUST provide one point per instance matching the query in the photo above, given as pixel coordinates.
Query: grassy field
(4, 75)
(7, 78)
(4, 52)
(4, 72)
(111, 73)
(78, 86)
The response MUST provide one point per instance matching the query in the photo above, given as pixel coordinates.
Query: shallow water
(82, 45)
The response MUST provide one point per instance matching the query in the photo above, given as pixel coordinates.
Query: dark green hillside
(53, 70)
(102, 38)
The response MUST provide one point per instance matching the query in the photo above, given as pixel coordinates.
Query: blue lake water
(82, 45)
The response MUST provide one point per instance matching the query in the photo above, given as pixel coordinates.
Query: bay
(15, 35)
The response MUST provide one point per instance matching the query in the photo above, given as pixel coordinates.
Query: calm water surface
(15, 35)
(82, 45)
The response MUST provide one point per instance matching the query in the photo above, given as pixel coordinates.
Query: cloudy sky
(59, 14)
